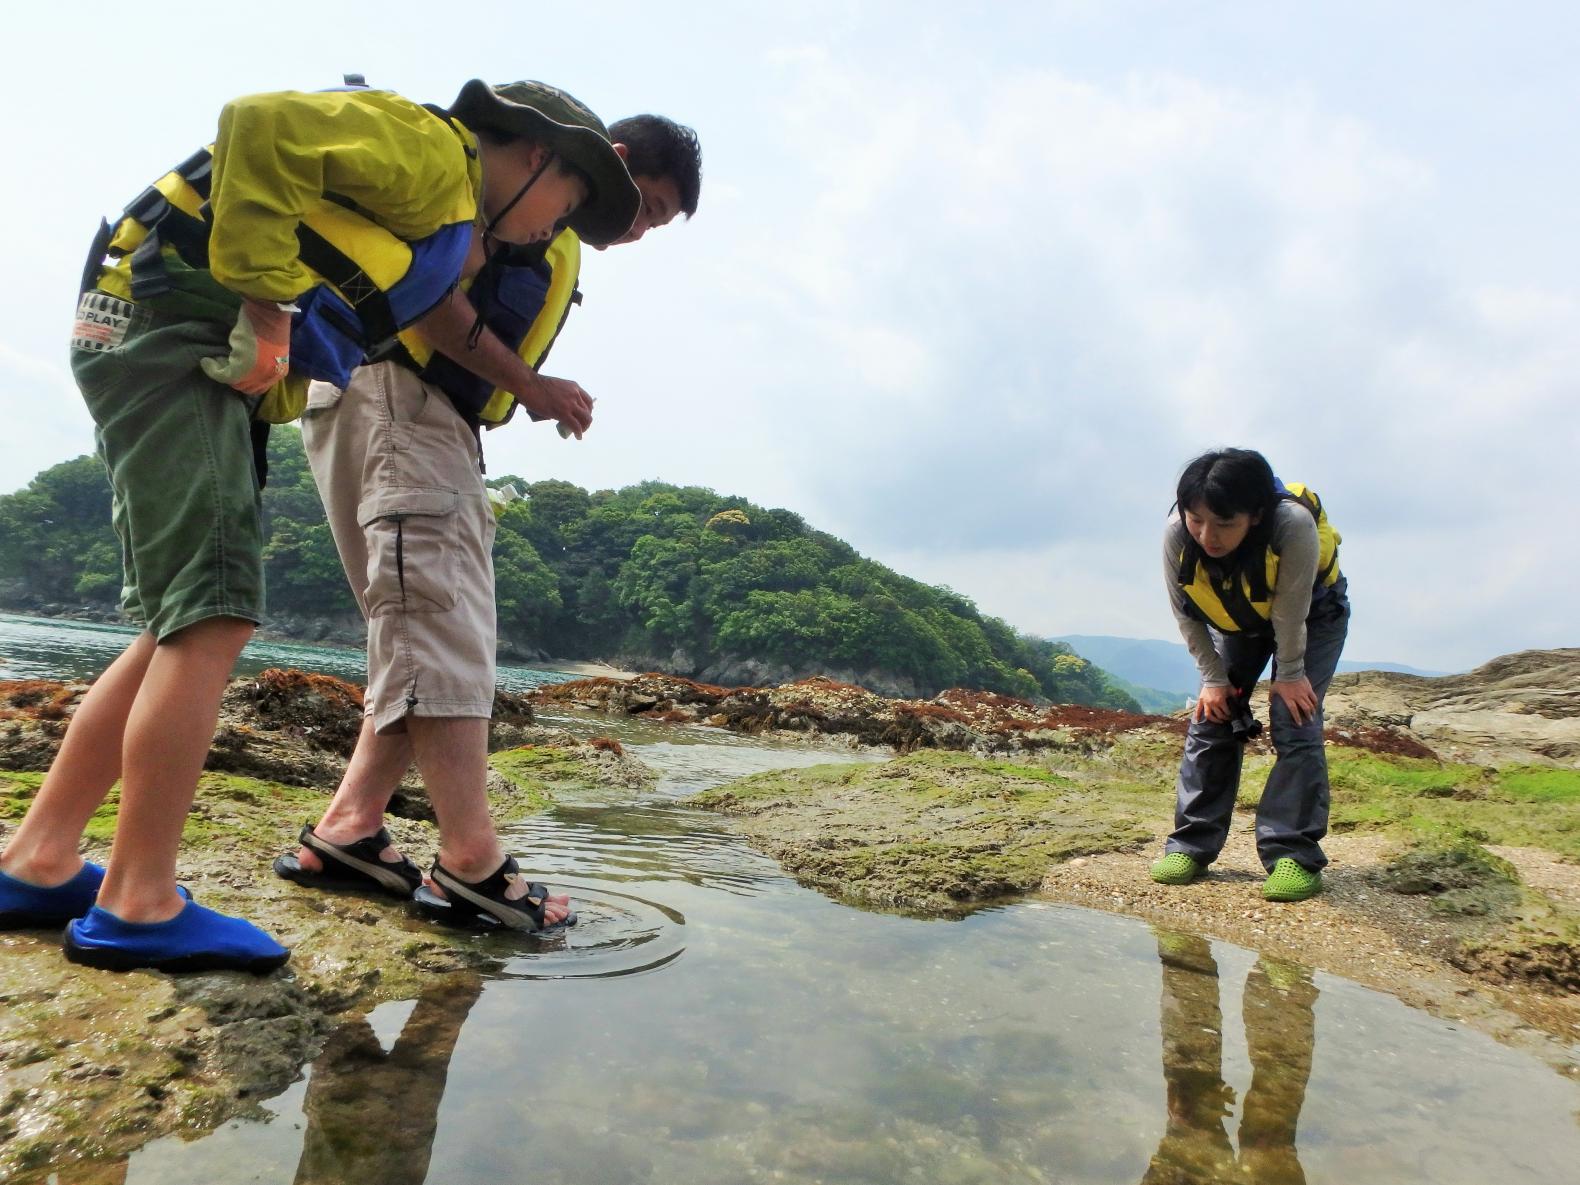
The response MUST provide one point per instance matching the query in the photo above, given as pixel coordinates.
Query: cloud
(41, 398)
(973, 310)
(1010, 311)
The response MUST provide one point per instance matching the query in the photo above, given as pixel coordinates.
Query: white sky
(969, 284)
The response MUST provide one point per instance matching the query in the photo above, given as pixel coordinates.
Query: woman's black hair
(1228, 482)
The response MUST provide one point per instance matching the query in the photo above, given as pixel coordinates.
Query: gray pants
(1292, 817)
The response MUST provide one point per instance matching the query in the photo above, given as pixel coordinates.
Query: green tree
(637, 571)
(56, 539)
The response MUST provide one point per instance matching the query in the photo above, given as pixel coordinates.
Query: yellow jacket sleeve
(276, 154)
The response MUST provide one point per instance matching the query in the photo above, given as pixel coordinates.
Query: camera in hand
(1242, 722)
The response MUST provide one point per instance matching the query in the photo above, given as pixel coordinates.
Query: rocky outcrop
(1520, 708)
(746, 671)
(284, 726)
(956, 719)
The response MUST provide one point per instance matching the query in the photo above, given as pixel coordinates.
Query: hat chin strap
(492, 247)
(488, 231)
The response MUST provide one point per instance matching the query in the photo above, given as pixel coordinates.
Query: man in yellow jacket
(317, 225)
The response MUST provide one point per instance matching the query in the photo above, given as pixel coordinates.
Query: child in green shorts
(315, 227)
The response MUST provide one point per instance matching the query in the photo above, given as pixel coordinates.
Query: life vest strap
(198, 171)
(174, 228)
(1231, 594)
(371, 304)
(168, 225)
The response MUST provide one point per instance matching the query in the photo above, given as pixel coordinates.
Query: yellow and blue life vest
(524, 296)
(1240, 598)
(371, 282)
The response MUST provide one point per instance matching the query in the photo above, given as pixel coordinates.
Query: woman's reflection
(1279, 1033)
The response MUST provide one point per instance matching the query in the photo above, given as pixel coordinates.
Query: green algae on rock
(561, 765)
(933, 831)
(943, 832)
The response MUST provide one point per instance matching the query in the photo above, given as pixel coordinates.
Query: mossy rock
(1462, 877)
(934, 831)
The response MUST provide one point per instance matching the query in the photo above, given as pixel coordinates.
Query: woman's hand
(1298, 697)
(1213, 704)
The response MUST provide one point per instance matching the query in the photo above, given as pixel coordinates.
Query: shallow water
(40, 648)
(709, 1021)
(763, 1033)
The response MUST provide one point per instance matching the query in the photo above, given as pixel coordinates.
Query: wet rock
(936, 832)
(1552, 964)
(285, 726)
(94, 1064)
(33, 717)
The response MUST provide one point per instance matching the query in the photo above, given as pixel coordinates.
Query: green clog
(1176, 869)
(1290, 882)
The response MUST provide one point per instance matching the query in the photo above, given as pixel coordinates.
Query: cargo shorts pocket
(411, 549)
(321, 396)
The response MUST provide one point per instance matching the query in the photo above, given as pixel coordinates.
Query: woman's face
(1215, 534)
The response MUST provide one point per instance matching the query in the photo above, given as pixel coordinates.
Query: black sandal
(351, 866)
(484, 901)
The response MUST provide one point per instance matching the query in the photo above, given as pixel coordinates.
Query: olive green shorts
(178, 448)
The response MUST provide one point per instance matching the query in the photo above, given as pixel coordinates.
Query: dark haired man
(665, 161)
(479, 352)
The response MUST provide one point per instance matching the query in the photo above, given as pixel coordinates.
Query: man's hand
(560, 399)
(1213, 704)
(1298, 697)
(447, 329)
(260, 349)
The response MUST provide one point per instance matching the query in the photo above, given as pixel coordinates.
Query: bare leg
(452, 755)
(357, 810)
(43, 851)
(168, 734)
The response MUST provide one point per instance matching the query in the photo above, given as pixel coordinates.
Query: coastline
(1455, 887)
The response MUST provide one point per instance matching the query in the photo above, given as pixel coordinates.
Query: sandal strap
(362, 858)
(488, 895)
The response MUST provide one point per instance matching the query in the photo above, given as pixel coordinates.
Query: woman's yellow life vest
(370, 282)
(524, 299)
(1241, 599)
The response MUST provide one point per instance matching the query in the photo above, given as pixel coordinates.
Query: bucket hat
(545, 114)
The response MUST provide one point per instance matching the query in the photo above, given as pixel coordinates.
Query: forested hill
(652, 576)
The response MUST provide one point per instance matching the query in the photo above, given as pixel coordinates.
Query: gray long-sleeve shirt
(1295, 540)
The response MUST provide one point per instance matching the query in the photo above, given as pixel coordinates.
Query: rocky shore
(1455, 877)
(94, 1064)
(1455, 881)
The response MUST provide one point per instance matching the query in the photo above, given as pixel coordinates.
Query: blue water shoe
(196, 939)
(23, 905)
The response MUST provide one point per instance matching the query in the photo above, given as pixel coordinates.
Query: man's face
(660, 204)
(553, 196)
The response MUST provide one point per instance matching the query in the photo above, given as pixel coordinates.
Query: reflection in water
(1280, 1032)
(371, 1115)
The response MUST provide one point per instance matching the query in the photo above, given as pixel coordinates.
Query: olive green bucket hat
(549, 116)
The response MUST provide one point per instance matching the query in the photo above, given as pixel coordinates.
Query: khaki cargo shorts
(399, 475)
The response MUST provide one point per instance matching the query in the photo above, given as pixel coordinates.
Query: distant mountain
(1159, 703)
(1167, 667)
